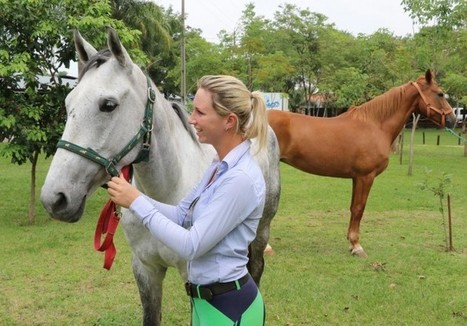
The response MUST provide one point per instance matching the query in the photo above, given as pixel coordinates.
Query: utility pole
(183, 72)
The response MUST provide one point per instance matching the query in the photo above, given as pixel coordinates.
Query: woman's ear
(231, 121)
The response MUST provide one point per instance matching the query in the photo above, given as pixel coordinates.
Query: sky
(354, 16)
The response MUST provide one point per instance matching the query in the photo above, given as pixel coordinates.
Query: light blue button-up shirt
(224, 219)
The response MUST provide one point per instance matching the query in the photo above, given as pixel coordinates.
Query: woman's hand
(121, 192)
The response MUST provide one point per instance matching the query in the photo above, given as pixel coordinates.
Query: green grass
(51, 275)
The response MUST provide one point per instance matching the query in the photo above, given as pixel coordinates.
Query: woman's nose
(191, 120)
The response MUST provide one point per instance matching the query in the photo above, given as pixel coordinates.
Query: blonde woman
(214, 224)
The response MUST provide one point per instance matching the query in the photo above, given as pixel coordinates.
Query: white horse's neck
(176, 162)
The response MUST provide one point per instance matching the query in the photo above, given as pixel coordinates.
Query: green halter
(144, 133)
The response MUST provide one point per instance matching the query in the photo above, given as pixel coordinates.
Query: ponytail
(230, 95)
(258, 124)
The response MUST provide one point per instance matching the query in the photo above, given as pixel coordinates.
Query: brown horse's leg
(360, 189)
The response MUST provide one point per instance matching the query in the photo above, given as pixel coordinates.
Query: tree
(243, 48)
(160, 33)
(268, 65)
(339, 55)
(35, 40)
(302, 29)
(450, 14)
(252, 44)
(349, 87)
(202, 58)
(455, 85)
(444, 28)
(378, 60)
(272, 71)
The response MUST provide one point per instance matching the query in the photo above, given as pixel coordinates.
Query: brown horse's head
(432, 103)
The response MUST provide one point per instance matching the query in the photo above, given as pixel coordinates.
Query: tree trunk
(401, 145)
(411, 145)
(464, 132)
(32, 197)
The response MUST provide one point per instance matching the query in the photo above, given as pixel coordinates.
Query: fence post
(451, 247)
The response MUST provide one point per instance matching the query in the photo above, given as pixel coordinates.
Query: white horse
(109, 109)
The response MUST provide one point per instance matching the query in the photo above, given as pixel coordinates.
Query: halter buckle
(111, 168)
(151, 95)
(146, 147)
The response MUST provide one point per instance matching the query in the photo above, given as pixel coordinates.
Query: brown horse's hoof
(359, 253)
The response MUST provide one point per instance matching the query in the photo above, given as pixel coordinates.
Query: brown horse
(357, 143)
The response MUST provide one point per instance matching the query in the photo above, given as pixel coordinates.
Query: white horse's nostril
(60, 202)
(60, 206)
(55, 203)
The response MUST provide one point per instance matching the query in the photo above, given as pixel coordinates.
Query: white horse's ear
(84, 49)
(117, 48)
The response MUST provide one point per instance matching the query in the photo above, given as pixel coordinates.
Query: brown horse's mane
(381, 107)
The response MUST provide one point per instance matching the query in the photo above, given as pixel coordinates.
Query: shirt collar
(232, 157)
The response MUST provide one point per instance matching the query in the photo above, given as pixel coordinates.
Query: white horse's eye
(108, 106)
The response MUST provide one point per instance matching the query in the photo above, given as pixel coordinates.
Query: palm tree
(159, 30)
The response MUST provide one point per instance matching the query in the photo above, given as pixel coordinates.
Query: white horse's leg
(255, 254)
(150, 290)
(257, 247)
(271, 174)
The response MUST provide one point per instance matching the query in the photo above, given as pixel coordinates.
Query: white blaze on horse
(115, 117)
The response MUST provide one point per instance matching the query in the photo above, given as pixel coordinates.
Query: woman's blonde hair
(230, 95)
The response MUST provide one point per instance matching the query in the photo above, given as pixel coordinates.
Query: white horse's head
(105, 114)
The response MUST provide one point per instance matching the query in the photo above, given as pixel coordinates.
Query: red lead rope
(107, 225)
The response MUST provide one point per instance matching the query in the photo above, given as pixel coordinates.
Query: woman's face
(209, 125)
